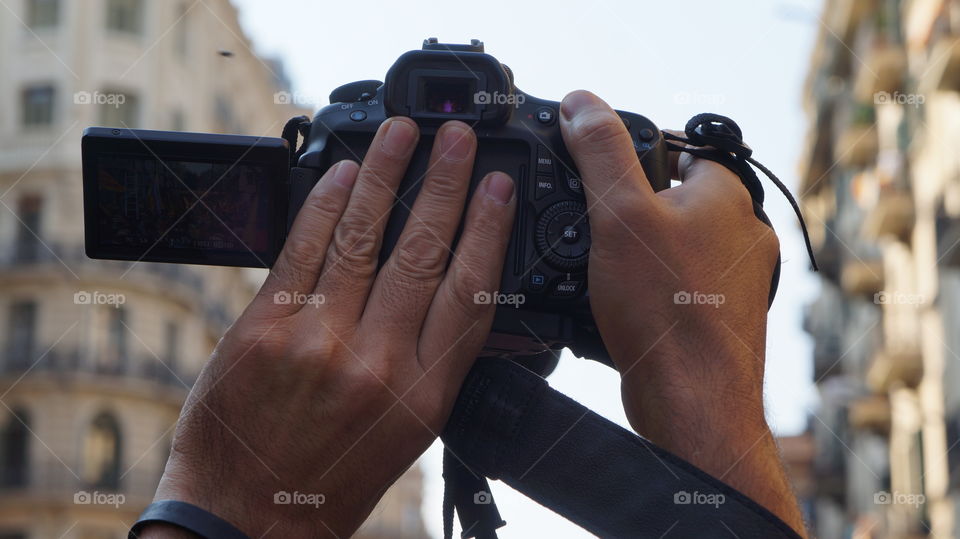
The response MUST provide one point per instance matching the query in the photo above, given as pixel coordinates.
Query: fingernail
(455, 143)
(500, 187)
(345, 174)
(576, 103)
(399, 138)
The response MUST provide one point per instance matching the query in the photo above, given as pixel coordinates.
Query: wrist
(162, 530)
(689, 398)
(248, 506)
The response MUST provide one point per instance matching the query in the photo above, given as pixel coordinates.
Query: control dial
(563, 235)
(361, 90)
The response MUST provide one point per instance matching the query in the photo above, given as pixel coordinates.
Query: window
(21, 331)
(28, 242)
(171, 344)
(122, 109)
(102, 453)
(37, 106)
(43, 13)
(125, 16)
(115, 352)
(14, 457)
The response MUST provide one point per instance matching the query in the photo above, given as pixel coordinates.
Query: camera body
(542, 302)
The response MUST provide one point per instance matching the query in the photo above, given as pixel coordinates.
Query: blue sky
(666, 60)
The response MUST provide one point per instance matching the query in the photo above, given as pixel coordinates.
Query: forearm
(722, 431)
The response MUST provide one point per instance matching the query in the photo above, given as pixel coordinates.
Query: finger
(672, 156)
(457, 324)
(351, 260)
(299, 263)
(408, 280)
(705, 181)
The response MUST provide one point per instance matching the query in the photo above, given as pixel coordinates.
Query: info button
(544, 186)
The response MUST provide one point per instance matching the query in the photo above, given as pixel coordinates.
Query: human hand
(338, 394)
(679, 282)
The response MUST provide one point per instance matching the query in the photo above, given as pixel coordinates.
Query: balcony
(862, 277)
(943, 71)
(130, 372)
(894, 368)
(857, 145)
(883, 70)
(61, 258)
(182, 283)
(870, 413)
(893, 216)
(50, 481)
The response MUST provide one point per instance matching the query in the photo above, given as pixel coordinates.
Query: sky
(666, 60)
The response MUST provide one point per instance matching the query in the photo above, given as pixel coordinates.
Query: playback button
(537, 282)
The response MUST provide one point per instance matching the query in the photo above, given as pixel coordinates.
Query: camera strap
(508, 424)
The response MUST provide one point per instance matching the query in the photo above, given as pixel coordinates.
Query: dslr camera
(191, 198)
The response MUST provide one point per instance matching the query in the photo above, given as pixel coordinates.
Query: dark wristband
(186, 516)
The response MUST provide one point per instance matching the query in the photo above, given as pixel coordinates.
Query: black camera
(159, 196)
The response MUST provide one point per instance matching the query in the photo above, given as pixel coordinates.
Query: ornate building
(881, 191)
(96, 357)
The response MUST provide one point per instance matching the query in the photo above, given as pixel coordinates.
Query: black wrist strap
(186, 516)
(508, 424)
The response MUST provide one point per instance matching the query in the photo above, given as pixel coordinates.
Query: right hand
(692, 373)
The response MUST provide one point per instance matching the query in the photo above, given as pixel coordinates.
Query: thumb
(604, 153)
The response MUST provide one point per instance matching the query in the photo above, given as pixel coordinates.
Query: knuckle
(444, 187)
(303, 256)
(376, 172)
(467, 283)
(371, 380)
(420, 254)
(770, 243)
(618, 216)
(741, 199)
(319, 349)
(356, 244)
(598, 129)
(319, 210)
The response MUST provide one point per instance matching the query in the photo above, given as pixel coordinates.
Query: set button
(563, 235)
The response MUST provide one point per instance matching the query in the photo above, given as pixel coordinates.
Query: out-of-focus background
(855, 103)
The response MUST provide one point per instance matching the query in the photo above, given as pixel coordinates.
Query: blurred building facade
(881, 192)
(96, 357)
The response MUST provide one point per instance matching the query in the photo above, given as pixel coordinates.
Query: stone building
(881, 192)
(96, 357)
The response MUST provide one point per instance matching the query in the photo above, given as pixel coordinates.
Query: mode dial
(361, 90)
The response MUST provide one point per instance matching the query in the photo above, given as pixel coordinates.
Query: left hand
(338, 396)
